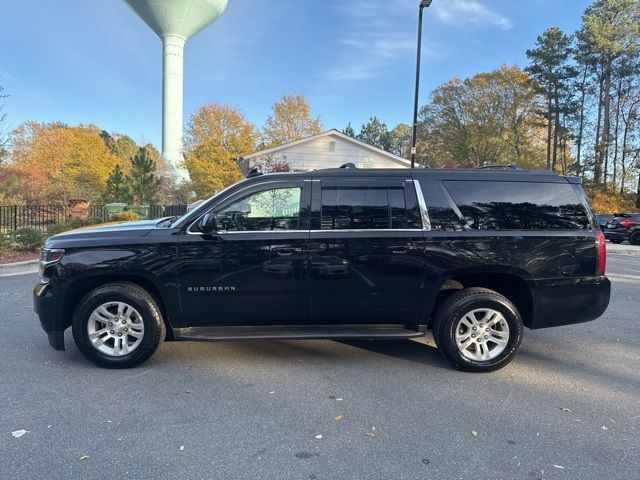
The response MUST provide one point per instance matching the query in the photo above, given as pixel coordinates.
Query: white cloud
(382, 32)
(456, 12)
(377, 37)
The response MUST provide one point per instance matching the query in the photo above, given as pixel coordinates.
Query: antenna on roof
(348, 165)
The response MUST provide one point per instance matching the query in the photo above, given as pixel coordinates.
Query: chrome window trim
(227, 232)
(364, 230)
(424, 213)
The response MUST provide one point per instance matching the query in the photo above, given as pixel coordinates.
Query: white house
(329, 149)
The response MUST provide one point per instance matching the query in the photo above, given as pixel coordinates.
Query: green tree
(117, 189)
(375, 133)
(289, 121)
(4, 140)
(143, 183)
(401, 140)
(348, 130)
(124, 146)
(609, 33)
(553, 71)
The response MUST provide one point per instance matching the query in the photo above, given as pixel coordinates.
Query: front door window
(274, 209)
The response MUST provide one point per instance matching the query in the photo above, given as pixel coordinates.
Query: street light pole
(423, 4)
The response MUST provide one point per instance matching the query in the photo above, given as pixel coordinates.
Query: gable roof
(330, 133)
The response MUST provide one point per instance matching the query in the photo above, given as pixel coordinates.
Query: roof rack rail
(509, 166)
(348, 165)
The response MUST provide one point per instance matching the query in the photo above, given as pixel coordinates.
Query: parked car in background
(624, 227)
(602, 221)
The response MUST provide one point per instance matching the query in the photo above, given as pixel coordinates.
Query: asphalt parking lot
(568, 407)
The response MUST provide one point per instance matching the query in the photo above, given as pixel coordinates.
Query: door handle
(288, 252)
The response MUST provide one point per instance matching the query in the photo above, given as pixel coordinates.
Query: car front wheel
(478, 330)
(118, 325)
(634, 239)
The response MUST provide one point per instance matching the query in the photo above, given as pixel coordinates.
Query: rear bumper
(46, 305)
(559, 302)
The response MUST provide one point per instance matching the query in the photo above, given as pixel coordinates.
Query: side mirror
(207, 223)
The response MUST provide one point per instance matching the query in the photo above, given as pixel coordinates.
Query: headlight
(48, 257)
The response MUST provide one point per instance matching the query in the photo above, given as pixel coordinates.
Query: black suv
(474, 255)
(623, 226)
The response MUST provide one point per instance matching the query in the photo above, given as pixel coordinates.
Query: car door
(252, 268)
(366, 252)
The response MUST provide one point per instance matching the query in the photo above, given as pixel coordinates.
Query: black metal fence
(41, 217)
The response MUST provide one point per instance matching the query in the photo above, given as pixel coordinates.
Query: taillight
(602, 253)
(626, 223)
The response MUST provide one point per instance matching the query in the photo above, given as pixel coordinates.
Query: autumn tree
(216, 135)
(55, 162)
(489, 118)
(375, 133)
(270, 163)
(142, 180)
(290, 120)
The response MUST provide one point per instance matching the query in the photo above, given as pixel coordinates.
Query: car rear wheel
(478, 330)
(634, 239)
(118, 325)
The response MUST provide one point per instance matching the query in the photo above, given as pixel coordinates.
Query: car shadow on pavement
(407, 350)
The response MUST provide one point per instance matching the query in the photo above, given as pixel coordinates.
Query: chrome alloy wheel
(482, 334)
(115, 329)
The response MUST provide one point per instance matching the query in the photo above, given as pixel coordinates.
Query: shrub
(4, 243)
(125, 216)
(28, 239)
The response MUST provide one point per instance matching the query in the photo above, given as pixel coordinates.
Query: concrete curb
(18, 268)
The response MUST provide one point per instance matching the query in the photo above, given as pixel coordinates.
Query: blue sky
(95, 61)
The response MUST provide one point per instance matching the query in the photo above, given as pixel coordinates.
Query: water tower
(175, 21)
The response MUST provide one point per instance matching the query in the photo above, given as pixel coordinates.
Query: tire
(140, 326)
(634, 238)
(616, 241)
(472, 306)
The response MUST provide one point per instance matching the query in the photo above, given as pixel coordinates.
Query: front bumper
(46, 306)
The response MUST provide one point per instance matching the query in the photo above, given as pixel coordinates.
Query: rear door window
(518, 205)
(347, 208)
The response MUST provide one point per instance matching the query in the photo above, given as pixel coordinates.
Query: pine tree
(117, 187)
(348, 130)
(552, 69)
(143, 181)
(375, 133)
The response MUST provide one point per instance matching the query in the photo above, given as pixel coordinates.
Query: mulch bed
(11, 257)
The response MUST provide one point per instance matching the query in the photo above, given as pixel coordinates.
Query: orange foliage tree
(55, 162)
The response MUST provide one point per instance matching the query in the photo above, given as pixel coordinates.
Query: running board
(296, 332)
